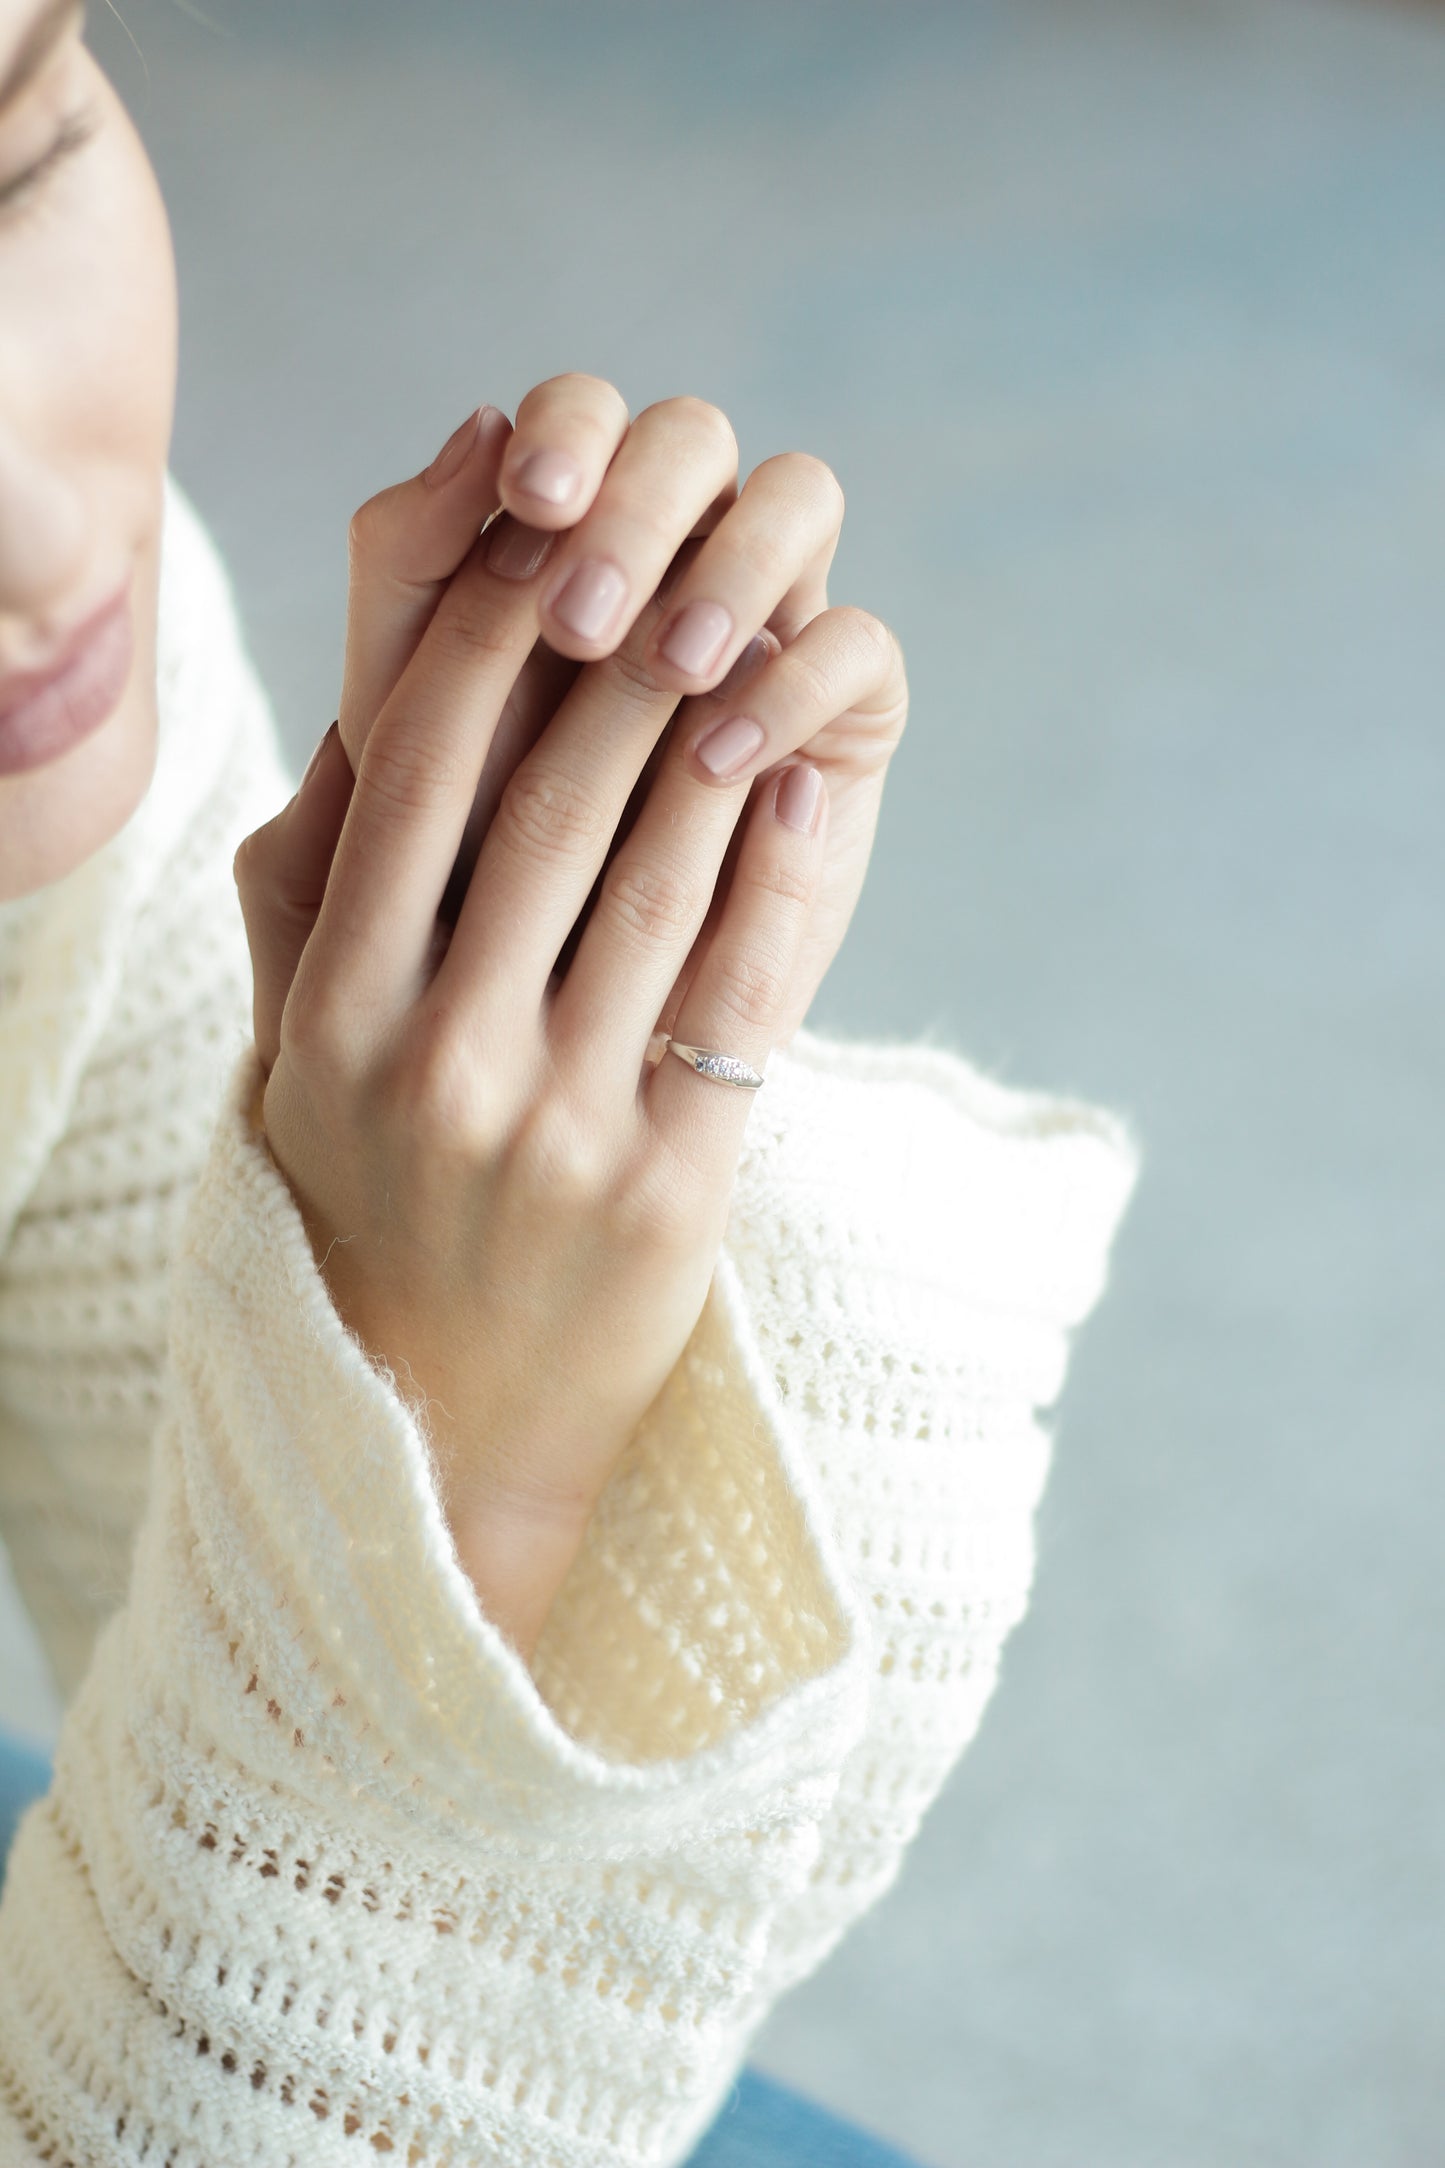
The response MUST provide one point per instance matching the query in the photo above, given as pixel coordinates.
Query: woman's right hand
(511, 1209)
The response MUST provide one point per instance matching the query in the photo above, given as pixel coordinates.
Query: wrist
(516, 1562)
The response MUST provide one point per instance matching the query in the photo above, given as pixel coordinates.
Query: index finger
(403, 546)
(414, 791)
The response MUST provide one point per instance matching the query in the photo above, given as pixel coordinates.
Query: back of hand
(609, 768)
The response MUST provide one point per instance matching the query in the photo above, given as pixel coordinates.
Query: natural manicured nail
(729, 746)
(752, 658)
(591, 599)
(798, 795)
(516, 552)
(450, 459)
(698, 637)
(551, 477)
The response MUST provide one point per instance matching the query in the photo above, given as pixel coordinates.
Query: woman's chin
(53, 818)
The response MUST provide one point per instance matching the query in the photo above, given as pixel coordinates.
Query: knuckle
(544, 814)
(248, 861)
(812, 478)
(815, 675)
(653, 903)
(269, 882)
(372, 540)
(318, 1028)
(473, 637)
(888, 700)
(625, 671)
(437, 1091)
(557, 1155)
(869, 632)
(364, 526)
(406, 772)
(701, 418)
(583, 380)
(750, 986)
(783, 880)
(771, 553)
(372, 528)
(596, 392)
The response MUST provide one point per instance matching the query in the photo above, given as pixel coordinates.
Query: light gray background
(1123, 326)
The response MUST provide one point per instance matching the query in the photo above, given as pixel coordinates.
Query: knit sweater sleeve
(916, 1245)
(323, 1861)
(911, 1246)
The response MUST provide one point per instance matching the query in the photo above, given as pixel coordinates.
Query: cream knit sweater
(325, 1871)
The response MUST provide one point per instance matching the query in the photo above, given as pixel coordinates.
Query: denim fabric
(762, 2125)
(24, 1775)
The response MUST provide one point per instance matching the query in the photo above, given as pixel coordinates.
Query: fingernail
(698, 637)
(449, 459)
(591, 599)
(311, 765)
(729, 746)
(516, 552)
(798, 794)
(550, 476)
(752, 658)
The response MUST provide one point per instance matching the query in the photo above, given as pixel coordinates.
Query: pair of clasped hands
(607, 766)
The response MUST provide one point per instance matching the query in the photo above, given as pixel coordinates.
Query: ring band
(723, 1068)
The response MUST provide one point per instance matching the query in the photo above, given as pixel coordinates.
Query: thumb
(281, 871)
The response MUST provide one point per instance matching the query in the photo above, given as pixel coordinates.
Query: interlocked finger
(403, 546)
(415, 788)
(731, 1013)
(767, 564)
(677, 462)
(567, 432)
(657, 889)
(556, 821)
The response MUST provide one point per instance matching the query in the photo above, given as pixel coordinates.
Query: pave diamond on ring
(726, 1068)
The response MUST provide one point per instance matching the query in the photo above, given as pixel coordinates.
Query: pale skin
(507, 872)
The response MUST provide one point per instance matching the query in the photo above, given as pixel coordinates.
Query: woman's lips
(47, 721)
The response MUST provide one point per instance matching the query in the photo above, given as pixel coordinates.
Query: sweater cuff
(906, 1249)
(905, 1159)
(330, 1572)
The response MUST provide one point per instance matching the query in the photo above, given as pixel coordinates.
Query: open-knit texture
(326, 1871)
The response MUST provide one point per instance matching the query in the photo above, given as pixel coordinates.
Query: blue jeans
(762, 2124)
